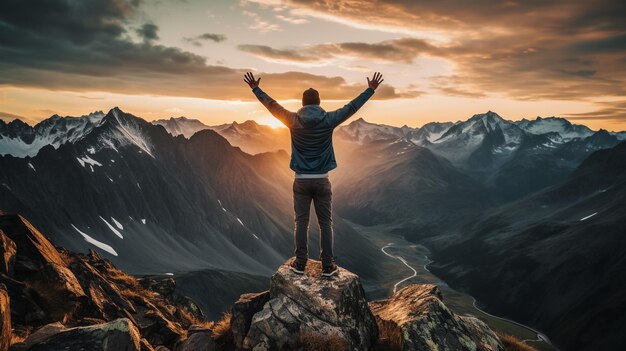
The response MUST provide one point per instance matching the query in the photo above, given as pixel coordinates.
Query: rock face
(57, 296)
(5, 319)
(242, 312)
(7, 254)
(118, 335)
(40, 266)
(415, 318)
(308, 307)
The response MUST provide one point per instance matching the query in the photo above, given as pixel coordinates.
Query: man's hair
(310, 97)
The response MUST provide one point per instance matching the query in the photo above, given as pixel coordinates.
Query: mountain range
(250, 136)
(155, 203)
(524, 215)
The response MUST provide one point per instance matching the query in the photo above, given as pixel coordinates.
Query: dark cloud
(399, 50)
(86, 46)
(292, 55)
(199, 39)
(148, 32)
(613, 110)
(554, 16)
(79, 22)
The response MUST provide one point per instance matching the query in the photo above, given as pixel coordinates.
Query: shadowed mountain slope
(567, 245)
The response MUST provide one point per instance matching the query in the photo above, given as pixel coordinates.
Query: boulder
(415, 318)
(242, 312)
(199, 339)
(5, 319)
(309, 308)
(118, 335)
(7, 254)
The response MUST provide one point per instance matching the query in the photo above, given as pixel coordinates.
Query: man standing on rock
(312, 156)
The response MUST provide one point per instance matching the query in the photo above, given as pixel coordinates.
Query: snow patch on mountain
(117, 224)
(115, 231)
(222, 206)
(95, 242)
(88, 160)
(587, 217)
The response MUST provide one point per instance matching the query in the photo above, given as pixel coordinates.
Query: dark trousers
(319, 191)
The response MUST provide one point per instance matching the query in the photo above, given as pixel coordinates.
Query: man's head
(310, 97)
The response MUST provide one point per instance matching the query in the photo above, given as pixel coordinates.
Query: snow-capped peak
(543, 125)
(181, 126)
(462, 139)
(21, 140)
(124, 129)
(360, 130)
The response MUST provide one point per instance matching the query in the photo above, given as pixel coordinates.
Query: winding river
(540, 336)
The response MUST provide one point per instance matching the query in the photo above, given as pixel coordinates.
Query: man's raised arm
(339, 116)
(283, 115)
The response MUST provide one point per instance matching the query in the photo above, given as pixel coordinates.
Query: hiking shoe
(329, 271)
(297, 267)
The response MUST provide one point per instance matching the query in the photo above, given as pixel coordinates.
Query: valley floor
(408, 263)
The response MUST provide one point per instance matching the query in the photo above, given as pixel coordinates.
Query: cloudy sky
(441, 60)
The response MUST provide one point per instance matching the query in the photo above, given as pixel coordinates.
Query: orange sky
(440, 62)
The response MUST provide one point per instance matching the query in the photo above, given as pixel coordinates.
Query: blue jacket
(311, 131)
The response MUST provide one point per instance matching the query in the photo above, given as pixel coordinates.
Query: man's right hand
(249, 78)
(376, 80)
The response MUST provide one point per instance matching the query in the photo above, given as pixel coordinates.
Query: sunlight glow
(270, 121)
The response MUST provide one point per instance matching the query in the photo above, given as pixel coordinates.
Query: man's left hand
(249, 78)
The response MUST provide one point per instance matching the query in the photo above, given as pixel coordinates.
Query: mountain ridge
(188, 126)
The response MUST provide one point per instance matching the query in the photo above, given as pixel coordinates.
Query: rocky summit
(310, 312)
(301, 308)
